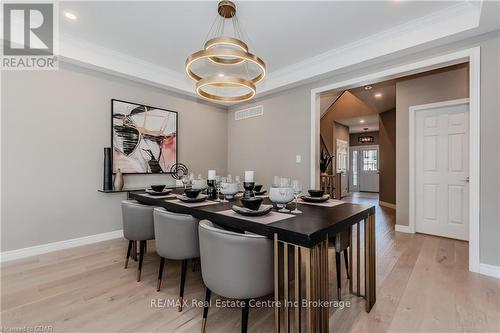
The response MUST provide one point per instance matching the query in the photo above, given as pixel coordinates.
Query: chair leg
(346, 261)
(160, 273)
(337, 265)
(208, 294)
(141, 258)
(183, 281)
(244, 316)
(129, 249)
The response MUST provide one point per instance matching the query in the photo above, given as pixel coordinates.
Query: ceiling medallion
(227, 53)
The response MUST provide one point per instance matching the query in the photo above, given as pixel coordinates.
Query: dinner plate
(308, 198)
(153, 192)
(263, 210)
(199, 198)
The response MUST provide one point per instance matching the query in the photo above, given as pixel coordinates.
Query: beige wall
(438, 87)
(54, 127)
(387, 151)
(292, 108)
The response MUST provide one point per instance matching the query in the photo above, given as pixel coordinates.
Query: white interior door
(368, 169)
(441, 171)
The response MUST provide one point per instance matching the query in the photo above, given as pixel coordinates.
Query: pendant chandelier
(224, 70)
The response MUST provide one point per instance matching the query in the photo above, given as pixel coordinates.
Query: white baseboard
(66, 244)
(403, 228)
(490, 270)
(387, 204)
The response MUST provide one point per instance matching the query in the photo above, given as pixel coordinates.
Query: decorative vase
(107, 184)
(118, 183)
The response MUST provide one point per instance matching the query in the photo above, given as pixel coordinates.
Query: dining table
(301, 243)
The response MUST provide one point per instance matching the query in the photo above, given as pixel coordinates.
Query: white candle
(211, 174)
(249, 176)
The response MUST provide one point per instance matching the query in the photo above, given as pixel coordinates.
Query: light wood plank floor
(422, 286)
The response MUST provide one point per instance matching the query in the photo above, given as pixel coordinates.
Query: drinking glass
(185, 181)
(223, 185)
(276, 181)
(282, 206)
(297, 189)
(218, 181)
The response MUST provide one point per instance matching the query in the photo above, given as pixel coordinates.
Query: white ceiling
(298, 40)
(387, 92)
(165, 33)
(369, 124)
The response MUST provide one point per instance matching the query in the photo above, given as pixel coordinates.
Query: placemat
(266, 219)
(329, 203)
(194, 204)
(166, 196)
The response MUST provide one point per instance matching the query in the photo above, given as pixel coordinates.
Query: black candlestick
(211, 191)
(248, 186)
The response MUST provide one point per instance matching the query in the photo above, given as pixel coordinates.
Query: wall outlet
(298, 158)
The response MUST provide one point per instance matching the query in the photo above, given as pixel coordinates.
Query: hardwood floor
(422, 286)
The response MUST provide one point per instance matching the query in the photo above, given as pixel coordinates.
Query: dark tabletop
(306, 229)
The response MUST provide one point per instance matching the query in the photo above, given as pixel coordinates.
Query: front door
(441, 171)
(364, 172)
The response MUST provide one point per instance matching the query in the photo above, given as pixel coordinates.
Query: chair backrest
(137, 221)
(233, 265)
(176, 235)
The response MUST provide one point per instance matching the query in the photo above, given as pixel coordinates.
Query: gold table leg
(370, 283)
(276, 285)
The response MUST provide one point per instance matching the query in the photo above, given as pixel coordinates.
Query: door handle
(467, 179)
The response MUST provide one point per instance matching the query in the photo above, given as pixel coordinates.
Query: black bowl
(158, 188)
(252, 203)
(191, 193)
(316, 193)
(257, 188)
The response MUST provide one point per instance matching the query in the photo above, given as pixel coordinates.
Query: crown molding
(438, 25)
(453, 20)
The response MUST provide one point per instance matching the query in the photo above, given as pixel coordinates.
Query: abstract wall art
(144, 138)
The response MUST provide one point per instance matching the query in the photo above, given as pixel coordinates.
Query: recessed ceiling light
(368, 87)
(361, 121)
(70, 16)
(378, 95)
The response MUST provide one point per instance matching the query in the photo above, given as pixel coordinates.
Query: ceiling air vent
(256, 111)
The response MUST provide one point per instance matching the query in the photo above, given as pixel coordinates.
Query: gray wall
(54, 127)
(387, 151)
(278, 142)
(268, 144)
(438, 87)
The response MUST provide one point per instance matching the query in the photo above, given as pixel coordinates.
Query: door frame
(412, 160)
(473, 56)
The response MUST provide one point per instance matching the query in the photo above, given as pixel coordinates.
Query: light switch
(298, 158)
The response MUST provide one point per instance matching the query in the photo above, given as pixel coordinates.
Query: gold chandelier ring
(225, 52)
(226, 41)
(225, 82)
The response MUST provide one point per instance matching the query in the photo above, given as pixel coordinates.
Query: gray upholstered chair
(176, 239)
(233, 265)
(137, 226)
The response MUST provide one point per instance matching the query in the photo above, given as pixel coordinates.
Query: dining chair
(236, 266)
(137, 226)
(176, 239)
(341, 242)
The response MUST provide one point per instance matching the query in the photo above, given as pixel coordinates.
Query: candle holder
(248, 186)
(211, 191)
